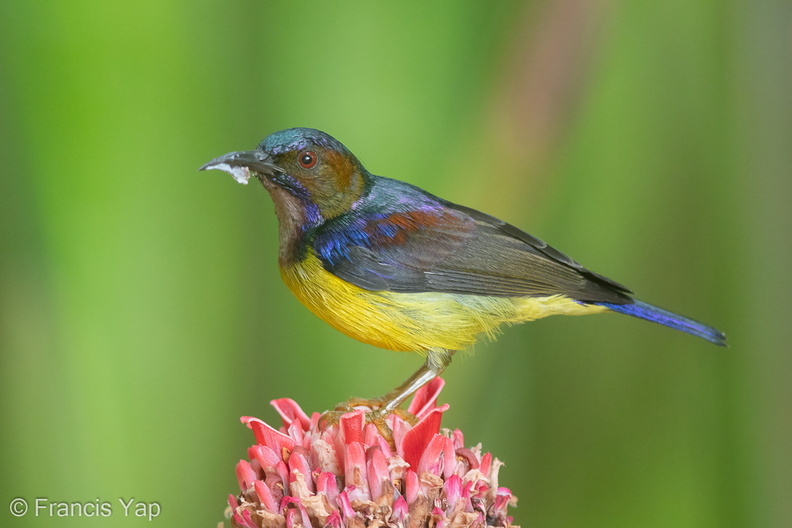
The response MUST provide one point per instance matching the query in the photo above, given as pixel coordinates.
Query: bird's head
(308, 173)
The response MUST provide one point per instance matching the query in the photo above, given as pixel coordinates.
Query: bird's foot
(377, 413)
(376, 410)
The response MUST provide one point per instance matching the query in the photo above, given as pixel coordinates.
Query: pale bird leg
(436, 363)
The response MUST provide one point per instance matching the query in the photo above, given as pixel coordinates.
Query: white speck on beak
(240, 174)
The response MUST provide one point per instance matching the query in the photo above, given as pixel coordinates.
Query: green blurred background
(141, 311)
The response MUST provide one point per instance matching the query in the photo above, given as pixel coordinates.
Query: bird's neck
(295, 218)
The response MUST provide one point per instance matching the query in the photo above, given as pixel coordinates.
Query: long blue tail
(646, 311)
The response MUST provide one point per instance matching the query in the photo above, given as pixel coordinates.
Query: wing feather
(443, 247)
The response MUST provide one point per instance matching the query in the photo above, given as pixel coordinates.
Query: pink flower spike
(290, 412)
(432, 459)
(352, 426)
(245, 475)
(334, 520)
(232, 501)
(266, 435)
(315, 417)
(486, 462)
(416, 439)
(425, 398)
(293, 518)
(467, 489)
(377, 467)
(453, 489)
(411, 486)
(295, 512)
(400, 509)
(372, 437)
(355, 467)
(345, 505)
(246, 520)
(265, 456)
(458, 438)
(449, 457)
(309, 474)
(265, 496)
(283, 474)
(295, 432)
(501, 501)
(326, 483)
(299, 465)
(399, 428)
(439, 518)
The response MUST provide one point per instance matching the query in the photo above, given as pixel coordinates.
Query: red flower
(348, 475)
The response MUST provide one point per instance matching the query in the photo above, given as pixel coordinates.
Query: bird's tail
(648, 312)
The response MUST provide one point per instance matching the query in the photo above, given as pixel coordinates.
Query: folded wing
(443, 247)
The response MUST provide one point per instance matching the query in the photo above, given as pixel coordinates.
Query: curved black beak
(240, 164)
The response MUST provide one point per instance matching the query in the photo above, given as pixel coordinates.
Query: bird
(394, 266)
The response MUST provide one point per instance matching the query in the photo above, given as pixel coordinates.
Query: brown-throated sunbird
(391, 265)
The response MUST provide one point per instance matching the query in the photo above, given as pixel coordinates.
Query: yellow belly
(417, 322)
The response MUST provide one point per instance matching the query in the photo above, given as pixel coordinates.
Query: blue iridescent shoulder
(333, 240)
(369, 222)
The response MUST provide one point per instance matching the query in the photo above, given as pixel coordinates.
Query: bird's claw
(376, 413)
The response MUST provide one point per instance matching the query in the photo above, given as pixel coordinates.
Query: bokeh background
(141, 311)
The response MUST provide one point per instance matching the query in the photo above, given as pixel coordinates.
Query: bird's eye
(308, 159)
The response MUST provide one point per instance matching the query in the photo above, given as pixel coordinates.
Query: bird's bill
(240, 164)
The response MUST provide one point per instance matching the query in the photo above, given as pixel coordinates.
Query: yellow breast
(416, 322)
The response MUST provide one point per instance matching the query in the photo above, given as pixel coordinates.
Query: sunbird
(392, 265)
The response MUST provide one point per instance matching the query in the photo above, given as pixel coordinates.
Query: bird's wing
(454, 249)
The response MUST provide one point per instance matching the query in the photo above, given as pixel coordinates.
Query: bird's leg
(434, 366)
(436, 362)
